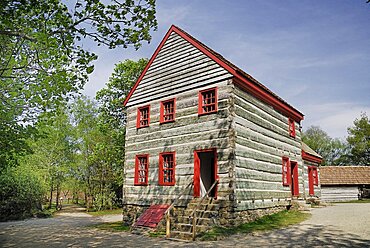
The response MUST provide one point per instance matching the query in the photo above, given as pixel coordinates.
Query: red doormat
(152, 216)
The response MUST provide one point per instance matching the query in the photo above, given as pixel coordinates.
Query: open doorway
(205, 172)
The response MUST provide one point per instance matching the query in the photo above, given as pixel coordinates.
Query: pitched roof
(344, 175)
(246, 81)
(309, 154)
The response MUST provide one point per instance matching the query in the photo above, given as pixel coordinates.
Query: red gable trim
(311, 158)
(246, 83)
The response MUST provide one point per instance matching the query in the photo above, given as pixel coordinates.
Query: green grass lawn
(112, 226)
(269, 222)
(106, 212)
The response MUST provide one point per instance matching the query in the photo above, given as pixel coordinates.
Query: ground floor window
(141, 169)
(167, 168)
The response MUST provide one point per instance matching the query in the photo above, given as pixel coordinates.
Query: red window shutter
(286, 171)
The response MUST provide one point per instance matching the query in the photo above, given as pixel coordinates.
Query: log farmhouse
(206, 139)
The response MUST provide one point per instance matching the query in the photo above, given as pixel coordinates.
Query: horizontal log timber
(167, 140)
(260, 114)
(246, 173)
(182, 110)
(256, 121)
(217, 119)
(242, 125)
(260, 147)
(258, 194)
(261, 105)
(247, 133)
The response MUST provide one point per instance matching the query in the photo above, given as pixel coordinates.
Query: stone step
(189, 227)
(181, 235)
(201, 213)
(209, 207)
(200, 221)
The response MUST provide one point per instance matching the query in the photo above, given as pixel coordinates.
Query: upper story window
(143, 116)
(207, 101)
(141, 169)
(291, 128)
(167, 112)
(167, 168)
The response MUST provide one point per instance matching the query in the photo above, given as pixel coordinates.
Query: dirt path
(342, 225)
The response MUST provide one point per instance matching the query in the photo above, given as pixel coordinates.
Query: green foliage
(120, 83)
(43, 61)
(333, 151)
(106, 212)
(359, 141)
(266, 223)
(21, 192)
(99, 155)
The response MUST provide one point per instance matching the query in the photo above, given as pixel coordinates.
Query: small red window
(167, 168)
(143, 117)
(141, 169)
(286, 172)
(291, 128)
(167, 111)
(207, 101)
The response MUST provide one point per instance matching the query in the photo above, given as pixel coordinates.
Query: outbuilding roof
(344, 175)
(245, 80)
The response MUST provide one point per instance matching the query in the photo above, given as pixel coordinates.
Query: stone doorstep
(200, 221)
(182, 227)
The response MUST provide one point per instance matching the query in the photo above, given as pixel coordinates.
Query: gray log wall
(262, 139)
(339, 193)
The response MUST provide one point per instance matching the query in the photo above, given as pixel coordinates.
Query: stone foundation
(227, 214)
(131, 213)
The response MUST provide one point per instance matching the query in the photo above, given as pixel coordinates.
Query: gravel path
(342, 225)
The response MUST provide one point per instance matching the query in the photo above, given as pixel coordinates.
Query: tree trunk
(51, 195)
(57, 197)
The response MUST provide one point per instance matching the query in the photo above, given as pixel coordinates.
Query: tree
(359, 141)
(332, 150)
(100, 155)
(42, 58)
(120, 83)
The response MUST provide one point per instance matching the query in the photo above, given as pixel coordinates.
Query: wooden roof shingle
(344, 175)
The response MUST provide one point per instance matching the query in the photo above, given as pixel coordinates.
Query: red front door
(310, 181)
(294, 174)
(205, 172)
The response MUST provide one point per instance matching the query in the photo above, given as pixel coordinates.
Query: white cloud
(334, 118)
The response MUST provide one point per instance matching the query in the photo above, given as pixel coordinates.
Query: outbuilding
(344, 183)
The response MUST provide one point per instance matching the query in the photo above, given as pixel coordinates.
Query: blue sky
(313, 54)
